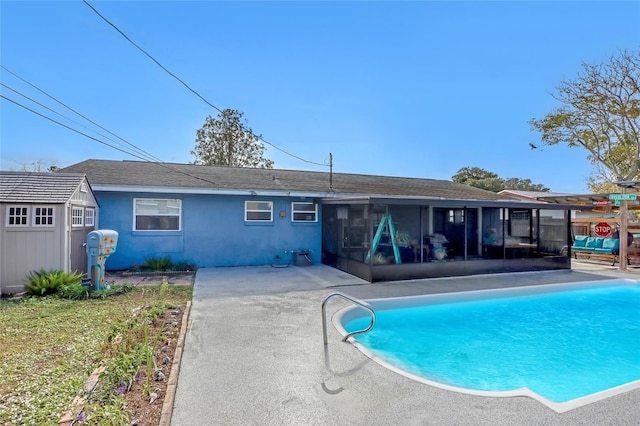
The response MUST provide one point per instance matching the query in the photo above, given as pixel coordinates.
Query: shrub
(43, 282)
(153, 263)
(183, 266)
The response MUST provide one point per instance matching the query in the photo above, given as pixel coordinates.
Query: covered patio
(383, 239)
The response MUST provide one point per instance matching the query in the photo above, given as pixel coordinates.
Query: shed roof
(120, 175)
(36, 187)
(533, 195)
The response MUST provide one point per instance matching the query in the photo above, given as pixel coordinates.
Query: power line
(70, 128)
(154, 158)
(56, 112)
(159, 163)
(191, 89)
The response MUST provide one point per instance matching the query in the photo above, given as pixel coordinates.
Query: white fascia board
(205, 191)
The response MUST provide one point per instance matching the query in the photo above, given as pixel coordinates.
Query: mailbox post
(100, 244)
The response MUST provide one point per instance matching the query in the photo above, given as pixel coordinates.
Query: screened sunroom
(382, 239)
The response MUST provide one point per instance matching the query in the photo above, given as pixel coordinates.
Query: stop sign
(602, 229)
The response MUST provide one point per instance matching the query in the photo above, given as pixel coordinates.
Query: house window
(304, 212)
(89, 217)
(42, 216)
(77, 216)
(151, 214)
(17, 216)
(258, 211)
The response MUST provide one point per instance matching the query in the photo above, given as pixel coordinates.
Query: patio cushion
(605, 251)
(581, 241)
(594, 242)
(611, 243)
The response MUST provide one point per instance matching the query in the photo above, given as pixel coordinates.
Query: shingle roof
(190, 176)
(33, 187)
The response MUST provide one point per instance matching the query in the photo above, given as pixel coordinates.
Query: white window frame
(77, 217)
(89, 216)
(295, 211)
(37, 214)
(137, 201)
(248, 211)
(22, 215)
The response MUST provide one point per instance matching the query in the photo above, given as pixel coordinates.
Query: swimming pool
(565, 345)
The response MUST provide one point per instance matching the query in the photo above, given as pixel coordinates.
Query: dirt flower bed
(150, 344)
(145, 409)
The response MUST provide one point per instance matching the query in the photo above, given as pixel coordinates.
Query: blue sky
(418, 89)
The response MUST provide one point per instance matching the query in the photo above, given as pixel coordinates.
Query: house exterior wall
(213, 231)
(28, 248)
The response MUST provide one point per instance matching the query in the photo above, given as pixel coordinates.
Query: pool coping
(349, 312)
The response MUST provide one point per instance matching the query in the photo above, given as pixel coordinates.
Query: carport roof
(35, 187)
(585, 200)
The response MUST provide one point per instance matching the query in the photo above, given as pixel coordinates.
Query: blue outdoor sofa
(597, 247)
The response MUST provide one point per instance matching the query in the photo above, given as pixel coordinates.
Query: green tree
(479, 178)
(483, 179)
(227, 141)
(524, 185)
(600, 112)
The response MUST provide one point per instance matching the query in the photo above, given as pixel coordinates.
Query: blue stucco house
(375, 227)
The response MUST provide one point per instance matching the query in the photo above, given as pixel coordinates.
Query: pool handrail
(358, 302)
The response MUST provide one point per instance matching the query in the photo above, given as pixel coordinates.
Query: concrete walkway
(254, 356)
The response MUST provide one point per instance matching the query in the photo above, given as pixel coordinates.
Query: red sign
(602, 229)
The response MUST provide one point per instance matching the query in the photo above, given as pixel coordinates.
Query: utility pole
(331, 171)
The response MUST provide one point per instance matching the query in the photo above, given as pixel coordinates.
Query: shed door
(82, 222)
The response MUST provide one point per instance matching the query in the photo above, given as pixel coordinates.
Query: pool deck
(254, 355)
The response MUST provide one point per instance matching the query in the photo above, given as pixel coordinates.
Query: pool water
(561, 345)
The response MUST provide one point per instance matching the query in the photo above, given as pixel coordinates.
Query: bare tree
(38, 166)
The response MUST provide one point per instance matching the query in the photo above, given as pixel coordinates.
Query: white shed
(44, 221)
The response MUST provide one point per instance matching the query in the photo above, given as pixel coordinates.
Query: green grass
(49, 347)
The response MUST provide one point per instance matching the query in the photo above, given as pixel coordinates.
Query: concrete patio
(254, 356)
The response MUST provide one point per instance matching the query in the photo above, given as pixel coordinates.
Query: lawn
(49, 347)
